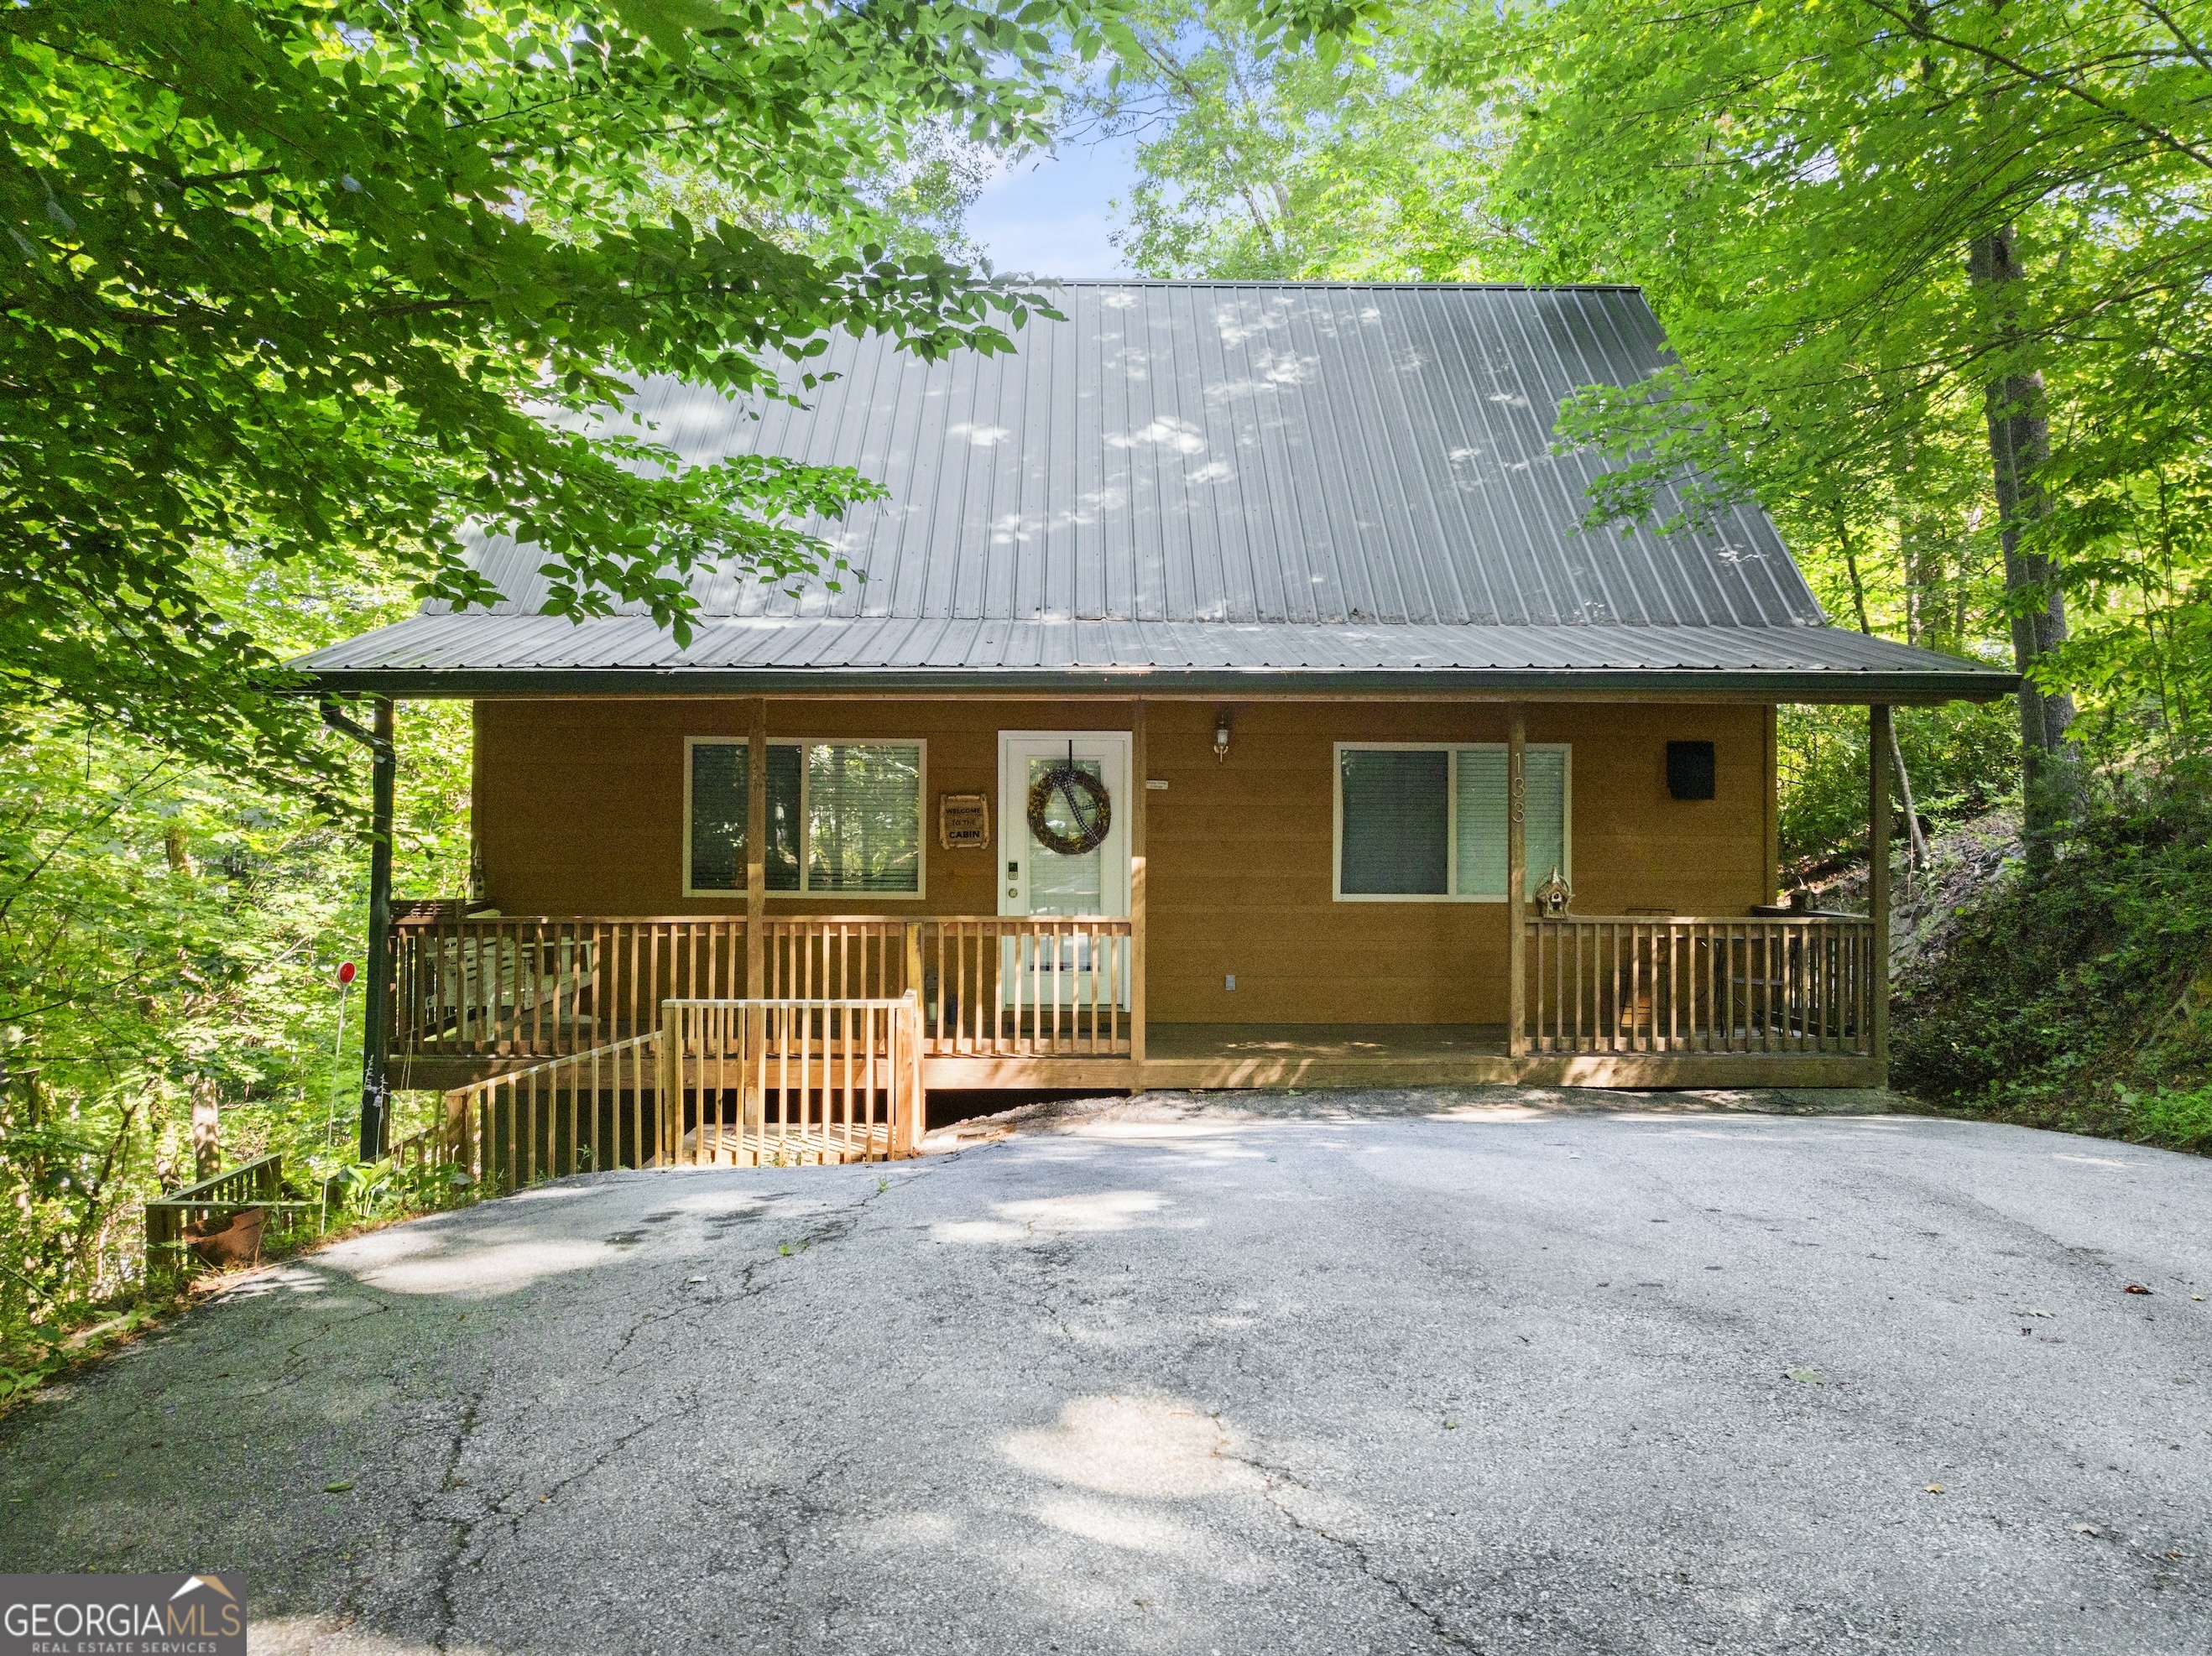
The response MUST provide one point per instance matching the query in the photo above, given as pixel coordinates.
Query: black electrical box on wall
(1690, 769)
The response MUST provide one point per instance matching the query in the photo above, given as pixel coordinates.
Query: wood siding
(580, 803)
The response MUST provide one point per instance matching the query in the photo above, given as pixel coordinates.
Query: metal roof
(491, 654)
(1256, 479)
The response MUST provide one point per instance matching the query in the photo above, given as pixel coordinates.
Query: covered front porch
(1764, 996)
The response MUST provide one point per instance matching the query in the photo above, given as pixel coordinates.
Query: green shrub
(2178, 1116)
(389, 1190)
(2067, 1000)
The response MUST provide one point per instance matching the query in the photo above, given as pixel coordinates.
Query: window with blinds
(1418, 820)
(1397, 822)
(842, 817)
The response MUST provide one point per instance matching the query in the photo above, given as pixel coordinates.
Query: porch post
(668, 1106)
(1517, 880)
(756, 850)
(1140, 788)
(1773, 804)
(1878, 833)
(376, 1014)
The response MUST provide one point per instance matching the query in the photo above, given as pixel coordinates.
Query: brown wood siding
(579, 809)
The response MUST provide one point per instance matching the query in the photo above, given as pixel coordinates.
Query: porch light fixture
(1221, 736)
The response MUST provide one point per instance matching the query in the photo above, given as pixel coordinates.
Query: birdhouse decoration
(1552, 896)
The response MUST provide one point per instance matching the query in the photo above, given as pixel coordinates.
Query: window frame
(692, 743)
(1452, 750)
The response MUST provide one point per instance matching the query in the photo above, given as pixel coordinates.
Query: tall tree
(2019, 450)
(1266, 150)
(1860, 220)
(1808, 196)
(294, 280)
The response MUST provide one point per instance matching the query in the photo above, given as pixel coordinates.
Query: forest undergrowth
(2078, 996)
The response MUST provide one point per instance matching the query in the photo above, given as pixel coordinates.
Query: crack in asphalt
(1044, 1270)
(1273, 1478)
(1051, 1277)
(778, 1517)
(644, 1320)
(931, 1514)
(599, 1463)
(828, 1226)
(681, 1305)
(463, 1530)
(1052, 1271)
(287, 1372)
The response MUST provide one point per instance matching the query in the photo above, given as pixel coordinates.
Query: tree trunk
(2019, 442)
(207, 1127)
(178, 847)
(1916, 842)
(1927, 583)
(1922, 541)
(205, 1095)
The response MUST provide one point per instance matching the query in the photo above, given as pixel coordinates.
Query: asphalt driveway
(1424, 1373)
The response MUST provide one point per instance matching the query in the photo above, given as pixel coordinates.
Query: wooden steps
(776, 1147)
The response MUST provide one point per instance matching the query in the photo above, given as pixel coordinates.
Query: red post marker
(346, 975)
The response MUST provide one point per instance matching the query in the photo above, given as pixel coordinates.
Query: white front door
(1035, 879)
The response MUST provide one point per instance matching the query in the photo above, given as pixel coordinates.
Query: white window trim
(803, 894)
(1450, 893)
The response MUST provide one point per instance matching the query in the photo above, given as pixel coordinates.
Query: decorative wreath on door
(1088, 805)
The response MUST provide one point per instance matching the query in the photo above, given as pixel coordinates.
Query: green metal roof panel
(1187, 451)
(1239, 480)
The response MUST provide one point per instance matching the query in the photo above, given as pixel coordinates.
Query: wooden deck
(1323, 1054)
(1204, 1056)
(1210, 1055)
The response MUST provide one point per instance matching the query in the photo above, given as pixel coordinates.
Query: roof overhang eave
(1832, 685)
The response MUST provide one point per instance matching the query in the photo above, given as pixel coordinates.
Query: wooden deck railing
(786, 1080)
(258, 1183)
(832, 957)
(1028, 986)
(579, 1113)
(720, 1081)
(1631, 983)
(547, 985)
(551, 985)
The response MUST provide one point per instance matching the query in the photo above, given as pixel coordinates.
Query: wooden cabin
(1226, 694)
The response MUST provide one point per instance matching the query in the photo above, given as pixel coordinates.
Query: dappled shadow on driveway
(1350, 1376)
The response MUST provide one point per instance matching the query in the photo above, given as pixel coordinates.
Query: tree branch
(2045, 77)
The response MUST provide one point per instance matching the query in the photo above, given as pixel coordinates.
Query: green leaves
(2078, 1000)
(295, 291)
(1263, 151)
(1798, 189)
(170, 936)
(291, 289)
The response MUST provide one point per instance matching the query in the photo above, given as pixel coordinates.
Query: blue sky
(1047, 215)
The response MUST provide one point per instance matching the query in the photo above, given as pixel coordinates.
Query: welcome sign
(122, 1615)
